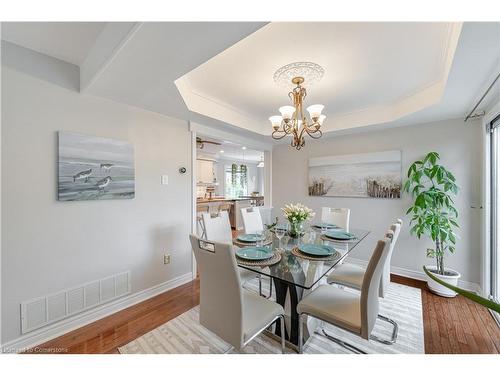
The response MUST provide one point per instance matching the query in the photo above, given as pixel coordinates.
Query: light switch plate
(164, 179)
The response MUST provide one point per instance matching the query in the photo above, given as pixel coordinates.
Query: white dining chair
(351, 275)
(218, 229)
(336, 216)
(352, 312)
(252, 221)
(232, 313)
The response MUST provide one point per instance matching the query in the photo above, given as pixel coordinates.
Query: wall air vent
(49, 309)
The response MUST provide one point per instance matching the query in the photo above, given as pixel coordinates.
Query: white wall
(459, 145)
(48, 245)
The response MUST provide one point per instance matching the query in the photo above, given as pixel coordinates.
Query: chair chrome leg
(282, 327)
(270, 287)
(260, 285)
(301, 332)
(394, 335)
(343, 344)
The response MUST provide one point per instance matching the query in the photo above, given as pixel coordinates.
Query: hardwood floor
(107, 334)
(454, 325)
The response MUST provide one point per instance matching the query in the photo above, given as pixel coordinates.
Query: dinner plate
(339, 234)
(325, 225)
(254, 253)
(316, 250)
(249, 237)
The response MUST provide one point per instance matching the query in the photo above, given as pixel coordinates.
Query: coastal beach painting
(372, 175)
(94, 168)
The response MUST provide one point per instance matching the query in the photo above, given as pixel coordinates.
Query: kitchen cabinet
(206, 171)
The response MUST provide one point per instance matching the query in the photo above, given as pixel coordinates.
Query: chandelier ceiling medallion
(292, 120)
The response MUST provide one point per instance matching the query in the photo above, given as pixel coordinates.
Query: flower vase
(296, 229)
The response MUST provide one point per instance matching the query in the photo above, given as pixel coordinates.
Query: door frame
(197, 129)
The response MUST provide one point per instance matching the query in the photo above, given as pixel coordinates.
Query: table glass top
(302, 272)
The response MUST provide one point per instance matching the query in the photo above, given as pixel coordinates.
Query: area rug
(185, 335)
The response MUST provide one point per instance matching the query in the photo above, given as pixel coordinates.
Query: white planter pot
(451, 277)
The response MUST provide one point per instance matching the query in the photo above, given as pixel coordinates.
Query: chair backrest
(252, 221)
(386, 274)
(337, 216)
(221, 301)
(371, 285)
(224, 207)
(266, 214)
(200, 209)
(217, 227)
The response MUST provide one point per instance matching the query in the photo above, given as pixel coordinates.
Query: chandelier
(292, 120)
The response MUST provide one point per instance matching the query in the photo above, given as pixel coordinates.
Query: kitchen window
(236, 189)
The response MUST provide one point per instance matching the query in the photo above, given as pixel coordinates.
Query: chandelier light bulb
(275, 121)
(321, 119)
(287, 112)
(315, 111)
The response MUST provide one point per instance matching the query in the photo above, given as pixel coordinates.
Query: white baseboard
(418, 275)
(64, 326)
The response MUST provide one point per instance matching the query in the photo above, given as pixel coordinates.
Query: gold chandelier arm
(296, 124)
(311, 129)
(277, 137)
(315, 134)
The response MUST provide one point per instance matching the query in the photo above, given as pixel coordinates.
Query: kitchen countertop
(226, 199)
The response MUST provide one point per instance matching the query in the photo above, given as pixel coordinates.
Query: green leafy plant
(272, 225)
(234, 172)
(433, 211)
(472, 296)
(243, 174)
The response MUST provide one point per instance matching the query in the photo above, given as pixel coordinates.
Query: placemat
(335, 256)
(242, 243)
(276, 258)
(325, 238)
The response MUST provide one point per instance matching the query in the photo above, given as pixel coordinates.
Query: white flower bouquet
(296, 214)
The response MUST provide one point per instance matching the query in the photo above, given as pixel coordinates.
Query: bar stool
(200, 210)
(224, 207)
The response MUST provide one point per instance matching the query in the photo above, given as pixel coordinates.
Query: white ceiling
(231, 151)
(144, 71)
(377, 74)
(476, 64)
(373, 72)
(67, 41)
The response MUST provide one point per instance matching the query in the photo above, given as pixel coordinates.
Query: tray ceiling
(374, 72)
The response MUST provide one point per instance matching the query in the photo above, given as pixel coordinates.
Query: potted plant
(297, 214)
(243, 174)
(434, 215)
(234, 172)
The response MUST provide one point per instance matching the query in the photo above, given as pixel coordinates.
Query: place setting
(252, 239)
(316, 252)
(257, 256)
(338, 235)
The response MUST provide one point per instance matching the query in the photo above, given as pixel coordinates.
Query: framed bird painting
(94, 168)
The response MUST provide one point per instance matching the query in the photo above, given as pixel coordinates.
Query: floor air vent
(42, 311)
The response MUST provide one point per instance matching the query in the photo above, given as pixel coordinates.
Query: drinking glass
(261, 240)
(324, 228)
(279, 232)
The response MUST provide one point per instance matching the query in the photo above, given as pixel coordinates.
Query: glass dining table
(295, 276)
